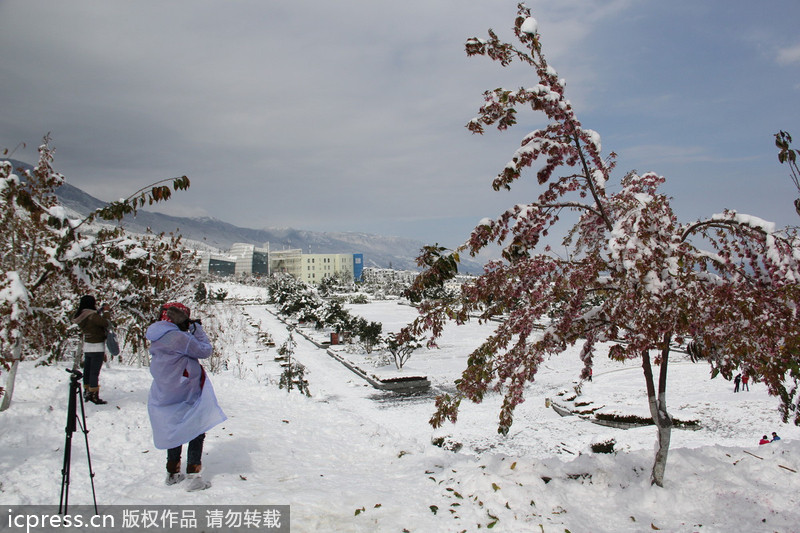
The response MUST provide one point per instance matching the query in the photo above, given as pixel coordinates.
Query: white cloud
(788, 56)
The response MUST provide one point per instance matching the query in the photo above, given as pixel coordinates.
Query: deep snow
(352, 458)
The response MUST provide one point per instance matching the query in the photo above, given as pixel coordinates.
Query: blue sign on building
(358, 266)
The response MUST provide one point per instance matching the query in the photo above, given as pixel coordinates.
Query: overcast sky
(349, 115)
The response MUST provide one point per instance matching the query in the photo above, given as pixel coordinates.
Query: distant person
(764, 440)
(745, 381)
(736, 382)
(93, 327)
(775, 437)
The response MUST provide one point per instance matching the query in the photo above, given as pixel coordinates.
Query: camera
(190, 324)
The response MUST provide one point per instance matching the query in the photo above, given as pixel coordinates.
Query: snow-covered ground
(352, 458)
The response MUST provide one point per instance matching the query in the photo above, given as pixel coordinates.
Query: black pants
(194, 451)
(92, 363)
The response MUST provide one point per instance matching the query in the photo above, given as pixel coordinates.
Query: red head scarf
(163, 315)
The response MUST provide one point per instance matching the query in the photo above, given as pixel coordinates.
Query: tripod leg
(82, 422)
(70, 429)
(63, 502)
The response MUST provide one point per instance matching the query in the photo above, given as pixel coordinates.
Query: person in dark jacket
(93, 326)
(182, 404)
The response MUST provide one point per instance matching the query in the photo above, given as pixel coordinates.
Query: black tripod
(75, 396)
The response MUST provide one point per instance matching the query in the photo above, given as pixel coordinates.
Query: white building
(310, 268)
(251, 260)
(316, 267)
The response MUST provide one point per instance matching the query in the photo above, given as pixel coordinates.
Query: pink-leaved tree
(636, 278)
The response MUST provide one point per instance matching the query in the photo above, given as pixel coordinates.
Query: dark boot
(94, 396)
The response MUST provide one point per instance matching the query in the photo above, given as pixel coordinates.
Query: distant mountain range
(210, 233)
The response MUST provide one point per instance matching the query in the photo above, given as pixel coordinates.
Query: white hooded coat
(181, 404)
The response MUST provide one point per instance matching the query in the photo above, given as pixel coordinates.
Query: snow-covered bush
(225, 325)
(296, 299)
(359, 299)
(293, 375)
(368, 333)
(401, 348)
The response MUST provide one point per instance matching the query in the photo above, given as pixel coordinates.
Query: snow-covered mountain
(379, 251)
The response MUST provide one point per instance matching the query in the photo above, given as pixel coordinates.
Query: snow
(13, 292)
(352, 458)
(529, 25)
(599, 178)
(747, 220)
(59, 212)
(594, 137)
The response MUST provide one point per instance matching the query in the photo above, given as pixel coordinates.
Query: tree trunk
(658, 410)
(77, 359)
(11, 378)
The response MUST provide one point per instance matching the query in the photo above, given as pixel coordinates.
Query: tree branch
(585, 166)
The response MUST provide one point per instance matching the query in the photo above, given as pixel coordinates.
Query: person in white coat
(182, 404)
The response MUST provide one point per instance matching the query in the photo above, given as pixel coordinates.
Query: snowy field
(352, 458)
